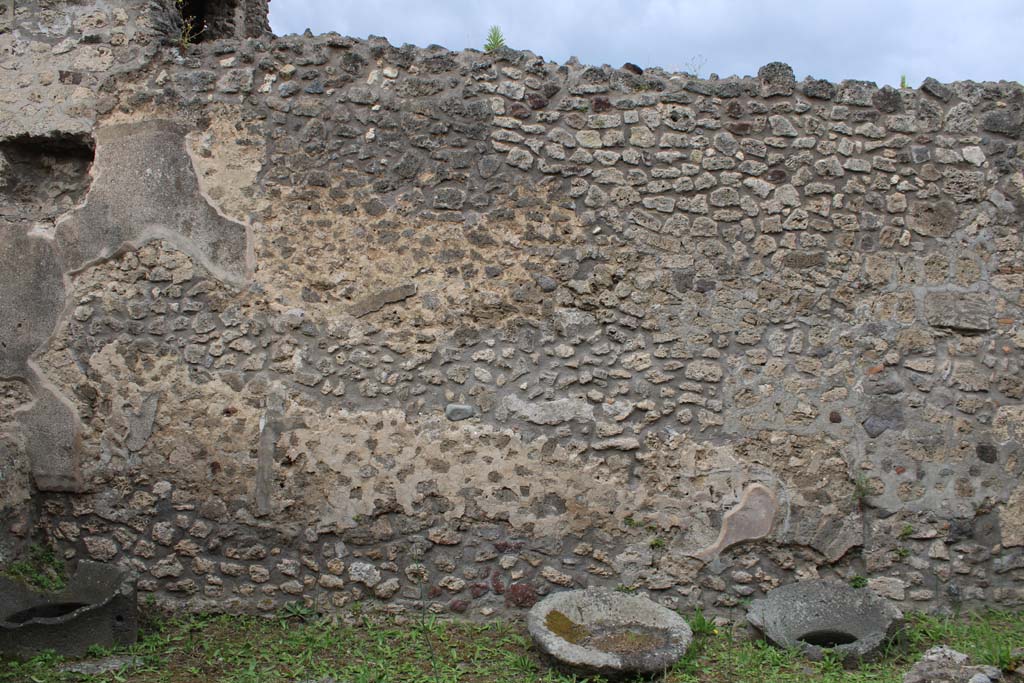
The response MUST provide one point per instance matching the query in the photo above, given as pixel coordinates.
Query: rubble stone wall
(323, 319)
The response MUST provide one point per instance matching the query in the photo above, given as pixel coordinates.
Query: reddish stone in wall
(521, 595)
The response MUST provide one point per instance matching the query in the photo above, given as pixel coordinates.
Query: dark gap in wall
(193, 17)
(209, 19)
(44, 176)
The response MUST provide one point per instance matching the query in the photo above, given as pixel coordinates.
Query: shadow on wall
(42, 178)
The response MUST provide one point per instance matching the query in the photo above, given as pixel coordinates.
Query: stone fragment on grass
(941, 664)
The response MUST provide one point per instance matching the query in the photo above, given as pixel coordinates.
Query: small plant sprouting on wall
(862, 489)
(495, 40)
(696, 65)
(191, 28)
(903, 82)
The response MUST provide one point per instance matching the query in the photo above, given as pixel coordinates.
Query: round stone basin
(813, 616)
(600, 631)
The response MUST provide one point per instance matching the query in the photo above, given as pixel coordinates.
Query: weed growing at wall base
(230, 649)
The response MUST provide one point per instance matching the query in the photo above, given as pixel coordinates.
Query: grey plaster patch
(814, 615)
(52, 440)
(752, 518)
(605, 632)
(14, 477)
(140, 423)
(549, 412)
(378, 300)
(144, 188)
(33, 299)
(30, 276)
(272, 425)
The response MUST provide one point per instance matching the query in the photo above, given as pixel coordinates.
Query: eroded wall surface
(322, 319)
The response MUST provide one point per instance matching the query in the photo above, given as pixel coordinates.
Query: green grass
(988, 639)
(39, 567)
(292, 647)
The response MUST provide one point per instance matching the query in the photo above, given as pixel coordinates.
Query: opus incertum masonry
(316, 318)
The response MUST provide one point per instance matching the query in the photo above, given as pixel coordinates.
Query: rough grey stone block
(98, 607)
(814, 615)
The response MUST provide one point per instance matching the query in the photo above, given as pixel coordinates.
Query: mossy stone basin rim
(600, 631)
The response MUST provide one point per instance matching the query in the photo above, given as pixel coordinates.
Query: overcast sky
(867, 39)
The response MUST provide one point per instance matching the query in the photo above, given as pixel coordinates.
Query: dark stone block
(818, 89)
(936, 89)
(884, 413)
(1005, 121)
(98, 608)
(987, 452)
(856, 624)
(802, 260)
(458, 411)
(521, 595)
(887, 100)
(776, 79)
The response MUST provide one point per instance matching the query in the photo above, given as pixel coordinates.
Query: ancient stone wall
(314, 318)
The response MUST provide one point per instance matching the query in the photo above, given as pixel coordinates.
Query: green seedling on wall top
(495, 40)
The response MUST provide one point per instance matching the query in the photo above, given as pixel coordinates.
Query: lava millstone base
(816, 615)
